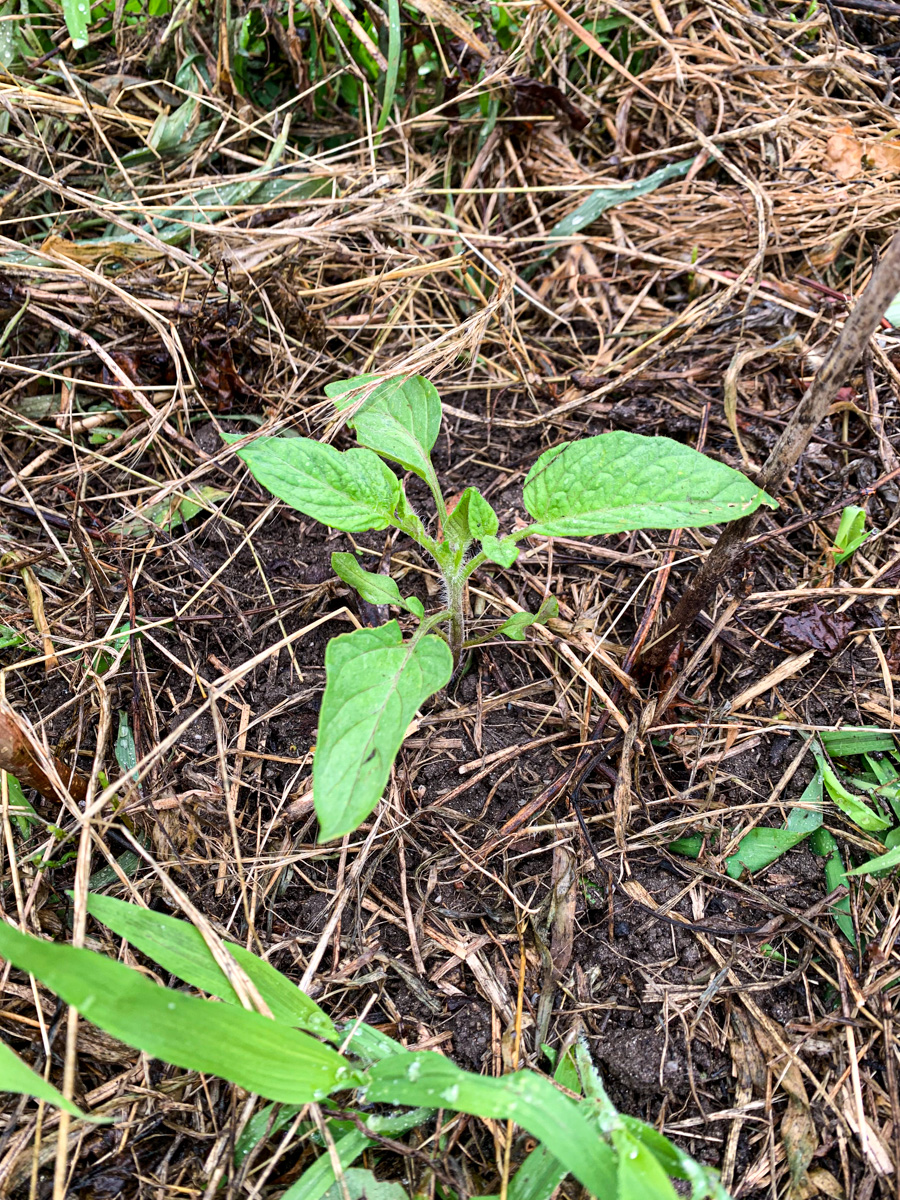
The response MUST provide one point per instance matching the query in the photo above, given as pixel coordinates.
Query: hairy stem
(456, 599)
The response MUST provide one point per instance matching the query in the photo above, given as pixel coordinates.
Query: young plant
(375, 678)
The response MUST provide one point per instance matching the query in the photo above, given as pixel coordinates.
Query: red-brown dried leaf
(814, 628)
(21, 755)
(533, 99)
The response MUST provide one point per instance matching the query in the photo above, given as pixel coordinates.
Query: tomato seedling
(375, 679)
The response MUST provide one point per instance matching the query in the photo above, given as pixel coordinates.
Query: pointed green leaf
(425, 1077)
(760, 847)
(514, 627)
(315, 1181)
(640, 1176)
(847, 802)
(375, 682)
(822, 842)
(882, 863)
(862, 739)
(401, 419)
(198, 1035)
(502, 551)
(17, 1077)
(351, 490)
(620, 481)
(374, 589)
(180, 949)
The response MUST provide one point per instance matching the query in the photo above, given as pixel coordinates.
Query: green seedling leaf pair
(376, 678)
(291, 1057)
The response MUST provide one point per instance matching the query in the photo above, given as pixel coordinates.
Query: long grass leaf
(246, 1048)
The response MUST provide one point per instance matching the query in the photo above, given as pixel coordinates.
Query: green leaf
(851, 533)
(168, 514)
(360, 1184)
(351, 490)
(400, 420)
(375, 589)
(502, 551)
(514, 627)
(807, 820)
(425, 1077)
(759, 847)
(315, 1181)
(847, 802)
(243, 1047)
(374, 683)
(676, 1162)
(640, 1176)
(21, 809)
(472, 518)
(179, 948)
(822, 843)
(882, 863)
(77, 14)
(621, 481)
(125, 749)
(603, 198)
(9, 636)
(689, 846)
(863, 739)
(17, 1077)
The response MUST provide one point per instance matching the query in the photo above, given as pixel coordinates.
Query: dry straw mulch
(699, 310)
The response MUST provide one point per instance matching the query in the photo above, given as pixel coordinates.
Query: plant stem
(456, 596)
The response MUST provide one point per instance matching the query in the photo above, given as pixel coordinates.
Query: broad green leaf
(179, 948)
(689, 846)
(425, 1077)
(374, 683)
(621, 481)
(514, 627)
(502, 551)
(243, 1047)
(639, 1175)
(351, 490)
(19, 1079)
(760, 847)
(847, 802)
(375, 589)
(400, 420)
(367, 1043)
(77, 14)
(822, 843)
(10, 637)
(861, 739)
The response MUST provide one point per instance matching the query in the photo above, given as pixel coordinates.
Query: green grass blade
(77, 15)
(179, 948)
(862, 739)
(17, 1077)
(882, 863)
(318, 1178)
(822, 843)
(847, 802)
(531, 1101)
(198, 1035)
(395, 47)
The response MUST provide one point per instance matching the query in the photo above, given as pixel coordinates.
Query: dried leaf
(884, 157)
(23, 756)
(815, 628)
(843, 154)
